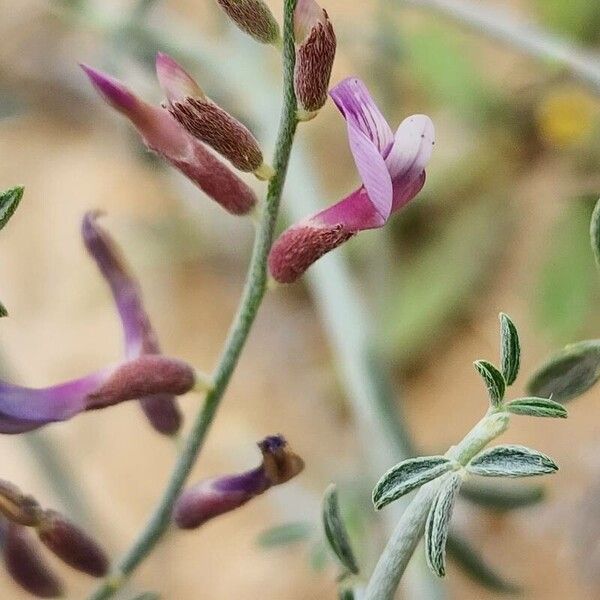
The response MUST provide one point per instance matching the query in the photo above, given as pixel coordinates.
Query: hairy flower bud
(26, 564)
(315, 52)
(18, 507)
(253, 17)
(72, 545)
(213, 497)
(207, 121)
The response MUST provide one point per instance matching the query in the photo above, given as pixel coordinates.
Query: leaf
(502, 496)
(335, 530)
(493, 379)
(407, 476)
(346, 594)
(282, 535)
(595, 233)
(3, 311)
(511, 461)
(510, 349)
(9, 200)
(473, 564)
(537, 407)
(570, 373)
(438, 522)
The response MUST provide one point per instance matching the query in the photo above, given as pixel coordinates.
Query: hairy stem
(251, 300)
(527, 38)
(411, 526)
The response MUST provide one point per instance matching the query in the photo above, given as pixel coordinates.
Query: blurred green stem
(526, 38)
(254, 291)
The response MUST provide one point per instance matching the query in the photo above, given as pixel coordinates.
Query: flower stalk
(254, 291)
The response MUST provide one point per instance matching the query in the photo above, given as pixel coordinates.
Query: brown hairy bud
(18, 507)
(253, 17)
(26, 565)
(147, 375)
(316, 45)
(72, 545)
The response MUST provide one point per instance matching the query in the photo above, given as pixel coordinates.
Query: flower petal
(355, 212)
(306, 15)
(413, 145)
(175, 82)
(370, 137)
(406, 189)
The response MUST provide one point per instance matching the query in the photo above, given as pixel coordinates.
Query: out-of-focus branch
(527, 38)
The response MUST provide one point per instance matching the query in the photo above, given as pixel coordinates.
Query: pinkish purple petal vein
(391, 167)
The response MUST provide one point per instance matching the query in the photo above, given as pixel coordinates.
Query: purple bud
(140, 338)
(206, 121)
(253, 17)
(26, 565)
(316, 45)
(213, 497)
(165, 136)
(72, 545)
(18, 507)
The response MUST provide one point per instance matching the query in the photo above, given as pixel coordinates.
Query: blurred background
(500, 226)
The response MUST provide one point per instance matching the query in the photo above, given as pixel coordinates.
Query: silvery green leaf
(438, 522)
(494, 381)
(407, 476)
(9, 200)
(282, 535)
(537, 407)
(570, 373)
(511, 461)
(335, 530)
(3, 311)
(595, 232)
(510, 349)
(473, 564)
(501, 495)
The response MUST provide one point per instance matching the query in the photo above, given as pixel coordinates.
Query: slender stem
(252, 297)
(527, 38)
(411, 526)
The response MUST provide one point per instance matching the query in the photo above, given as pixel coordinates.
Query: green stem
(251, 300)
(411, 526)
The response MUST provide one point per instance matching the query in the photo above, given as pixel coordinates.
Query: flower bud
(18, 507)
(253, 17)
(206, 121)
(213, 497)
(315, 52)
(72, 545)
(26, 565)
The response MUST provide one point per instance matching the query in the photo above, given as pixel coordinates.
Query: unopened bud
(213, 497)
(253, 17)
(316, 44)
(26, 564)
(18, 507)
(207, 121)
(72, 545)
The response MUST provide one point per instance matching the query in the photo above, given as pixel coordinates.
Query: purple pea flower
(165, 136)
(140, 338)
(392, 169)
(213, 497)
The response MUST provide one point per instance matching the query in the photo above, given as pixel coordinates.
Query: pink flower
(392, 169)
(165, 136)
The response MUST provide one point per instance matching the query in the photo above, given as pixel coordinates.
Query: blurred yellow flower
(566, 115)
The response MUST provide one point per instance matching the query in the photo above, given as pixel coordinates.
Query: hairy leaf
(282, 535)
(407, 476)
(438, 522)
(335, 530)
(473, 564)
(9, 200)
(501, 496)
(570, 373)
(510, 349)
(511, 461)
(493, 379)
(537, 407)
